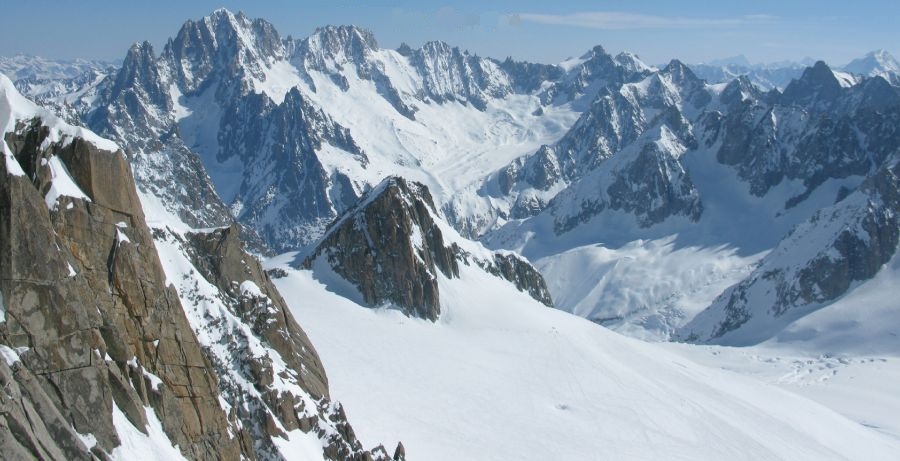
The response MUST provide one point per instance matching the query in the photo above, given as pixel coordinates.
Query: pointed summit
(391, 249)
(680, 72)
(222, 42)
(594, 52)
(739, 90)
(339, 43)
(817, 83)
(141, 73)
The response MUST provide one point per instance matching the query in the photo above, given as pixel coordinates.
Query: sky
(656, 30)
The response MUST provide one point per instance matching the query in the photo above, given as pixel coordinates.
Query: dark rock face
(390, 247)
(528, 77)
(817, 86)
(222, 260)
(89, 313)
(522, 274)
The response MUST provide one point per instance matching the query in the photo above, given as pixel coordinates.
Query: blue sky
(657, 30)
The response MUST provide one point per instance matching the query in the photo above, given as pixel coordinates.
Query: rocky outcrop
(392, 248)
(389, 246)
(88, 312)
(91, 328)
(523, 275)
(259, 344)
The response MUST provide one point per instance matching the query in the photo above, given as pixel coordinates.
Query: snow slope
(857, 384)
(500, 376)
(645, 289)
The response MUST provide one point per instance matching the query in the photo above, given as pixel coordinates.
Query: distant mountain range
(779, 74)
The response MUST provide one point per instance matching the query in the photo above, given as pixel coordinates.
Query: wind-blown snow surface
(500, 376)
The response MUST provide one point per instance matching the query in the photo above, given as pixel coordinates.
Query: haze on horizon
(656, 30)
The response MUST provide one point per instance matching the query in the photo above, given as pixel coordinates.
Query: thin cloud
(614, 20)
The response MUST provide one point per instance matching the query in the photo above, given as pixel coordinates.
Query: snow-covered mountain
(876, 63)
(221, 90)
(765, 76)
(838, 248)
(719, 174)
(778, 75)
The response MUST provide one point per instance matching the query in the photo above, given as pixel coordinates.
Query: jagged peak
(404, 49)
(222, 23)
(225, 16)
(405, 189)
(396, 232)
(819, 71)
(392, 232)
(223, 13)
(816, 79)
(676, 68)
(335, 37)
(215, 21)
(594, 52)
(138, 50)
(740, 85)
(434, 47)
